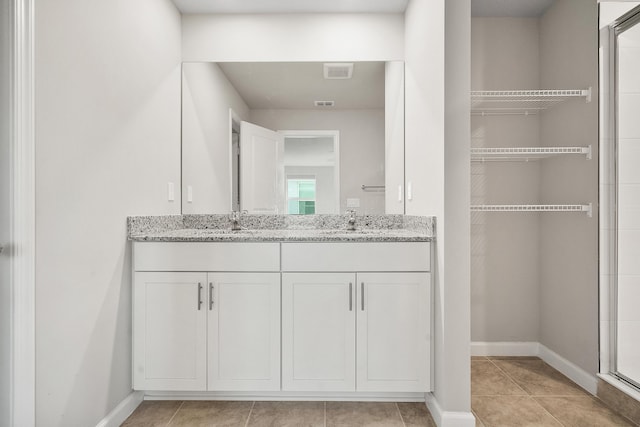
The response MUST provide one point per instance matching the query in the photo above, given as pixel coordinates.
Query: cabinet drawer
(206, 256)
(387, 256)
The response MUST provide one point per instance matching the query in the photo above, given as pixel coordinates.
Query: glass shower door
(627, 360)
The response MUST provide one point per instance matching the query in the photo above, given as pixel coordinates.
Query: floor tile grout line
(325, 413)
(175, 413)
(545, 410)
(400, 414)
(475, 414)
(509, 377)
(249, 416)
(589, 396)
(620, 414)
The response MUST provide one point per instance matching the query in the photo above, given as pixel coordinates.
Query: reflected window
(301, 195)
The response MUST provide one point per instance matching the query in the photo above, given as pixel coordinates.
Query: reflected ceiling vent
(338, 70)
(324, 103)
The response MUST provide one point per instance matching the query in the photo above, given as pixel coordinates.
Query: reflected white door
(261, 169)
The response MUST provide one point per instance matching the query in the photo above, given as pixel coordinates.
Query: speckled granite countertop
(281, 228)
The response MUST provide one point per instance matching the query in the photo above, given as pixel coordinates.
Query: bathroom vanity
(282, 310)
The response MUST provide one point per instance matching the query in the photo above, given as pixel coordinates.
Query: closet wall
(535, 275)
(569, 241)
(504, 246)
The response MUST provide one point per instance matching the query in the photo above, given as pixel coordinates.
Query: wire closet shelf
(526, 102)
(524, 154)
(588, 208)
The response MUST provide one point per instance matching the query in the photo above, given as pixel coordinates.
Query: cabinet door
(169, 331)
(244, 331)
(394, 332)
(318, 331)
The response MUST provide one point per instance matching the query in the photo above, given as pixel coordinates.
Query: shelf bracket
(588, 209)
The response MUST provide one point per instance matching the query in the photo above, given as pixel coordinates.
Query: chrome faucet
(234, 217)
(352, 220)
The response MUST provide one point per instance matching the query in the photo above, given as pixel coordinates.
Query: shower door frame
(609, 198)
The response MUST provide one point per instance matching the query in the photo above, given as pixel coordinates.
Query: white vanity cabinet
(206, 317)
(169, 331)
(317, 317)
(364, 326)
(244, 331)
(318, 332)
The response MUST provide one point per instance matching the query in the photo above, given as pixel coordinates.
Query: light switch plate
(171, 192)
(353, 203)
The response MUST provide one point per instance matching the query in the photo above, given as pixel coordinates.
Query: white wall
(361, 147)
(505, 261)
(569, 242)
(437, 163)
(293, 37)
(394, 137)
(207, 96)
(5, 295)
(107, 78)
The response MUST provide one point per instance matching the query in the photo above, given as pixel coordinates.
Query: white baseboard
(515, 348)
(285, 396)
(121, 412)
(574, 372)
(448, 418)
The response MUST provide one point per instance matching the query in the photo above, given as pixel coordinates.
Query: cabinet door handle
(350, 296)
(362, 294)
(199, 295)
(210, 296)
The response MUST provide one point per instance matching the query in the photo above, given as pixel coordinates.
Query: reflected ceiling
(291, 6)
(513, 8)
(296, 85)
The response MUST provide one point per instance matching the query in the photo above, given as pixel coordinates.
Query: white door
(318, 331)
(393, 332)
(5, 222)
(169, 331)
(244, 331)
(261, 169)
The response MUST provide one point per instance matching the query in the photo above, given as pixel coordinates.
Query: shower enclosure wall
(620, 202)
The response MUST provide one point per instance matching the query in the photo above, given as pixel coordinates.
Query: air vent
(338, 70)
(324, 103)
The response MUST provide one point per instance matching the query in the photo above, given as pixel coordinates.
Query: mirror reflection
(293, 138)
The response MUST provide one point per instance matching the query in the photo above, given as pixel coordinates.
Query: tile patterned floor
(525, 391)
(505, 392)
(279, 414)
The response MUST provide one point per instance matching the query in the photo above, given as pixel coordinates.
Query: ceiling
(514, 8)
(296, 85)
(291, 6)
